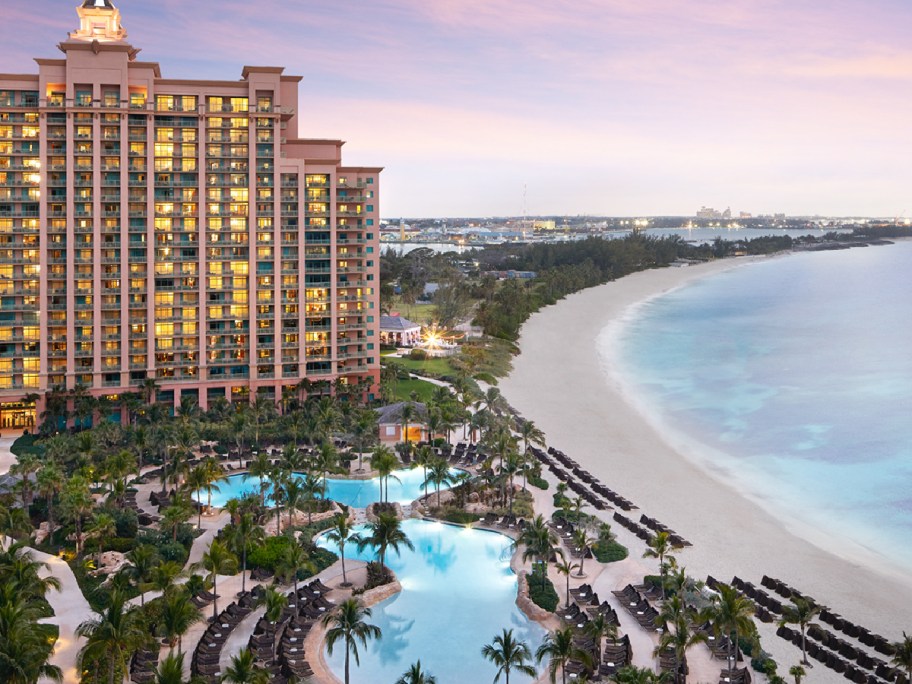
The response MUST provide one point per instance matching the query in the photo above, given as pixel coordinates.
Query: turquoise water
(356, 493)
(797, 371)
(458, 592)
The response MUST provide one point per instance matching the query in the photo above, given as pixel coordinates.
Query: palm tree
(275, 603)
(312, 487)
(406, 413)
(797, 672)
(510, 464)
(243, 670)
(218, 560)
(25, 467)
(245, 534)
(731, 615)
(196, 481)
(438, 474)
(103, 527)
(424, 456)
(364, 429)
(261, 467)
(171, 671)
(174, 516)
(213, 475)
(385, 533)
(178, 614)
(560, 650)
(293, 559)
(801, 614)
(565, 567)
(338, 534)
(632, 674)
(142, 559)
(902, 656)
(295, 498)
(682, 638)
(598, 628)
(539, 541)
(384, 461)
(659, 547)
(77, 503)
(112, 637)
(26, 645)
(508, 654)
(583, 542)
(348, 624)
(415, 675)
(164, 575)
(50, 480)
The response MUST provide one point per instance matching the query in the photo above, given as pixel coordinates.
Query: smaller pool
(355, 493)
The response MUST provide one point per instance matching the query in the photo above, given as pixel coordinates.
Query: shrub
(220, 449)
(542, 594)
(455, 515)
(609, 551)
(539, 482)
(377, 575)
(27, 444)
(173, 551)
(268, 554)
(418, 355)
(121, 544)
(126, 521)
(322, 559)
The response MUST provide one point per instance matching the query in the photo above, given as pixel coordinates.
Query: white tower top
(99, 20)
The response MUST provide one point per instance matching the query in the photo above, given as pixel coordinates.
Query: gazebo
(399, 332)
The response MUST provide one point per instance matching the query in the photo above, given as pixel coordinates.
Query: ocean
(793, 378)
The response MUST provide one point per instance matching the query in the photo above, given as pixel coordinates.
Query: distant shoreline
(561, 382)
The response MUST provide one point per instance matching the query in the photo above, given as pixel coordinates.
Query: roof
(397, 324)
(391, 414)
(98, 4)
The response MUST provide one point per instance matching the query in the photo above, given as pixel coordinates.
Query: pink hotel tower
(176, 230)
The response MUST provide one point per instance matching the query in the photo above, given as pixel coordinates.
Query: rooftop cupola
(99, 20)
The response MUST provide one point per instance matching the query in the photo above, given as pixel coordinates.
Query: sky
(605, 107)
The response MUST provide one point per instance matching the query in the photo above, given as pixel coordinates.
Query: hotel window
(112, 98)
(164, 103)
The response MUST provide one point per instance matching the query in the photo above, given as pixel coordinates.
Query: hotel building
(176, 230)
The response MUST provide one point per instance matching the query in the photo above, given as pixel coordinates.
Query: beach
(568, 387)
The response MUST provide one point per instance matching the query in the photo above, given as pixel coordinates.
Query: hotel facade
(177, 230)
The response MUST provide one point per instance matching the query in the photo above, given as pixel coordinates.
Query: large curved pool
(458, 592)
(355, 493)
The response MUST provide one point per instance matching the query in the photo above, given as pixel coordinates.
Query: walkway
(70, 610)
(7, 457)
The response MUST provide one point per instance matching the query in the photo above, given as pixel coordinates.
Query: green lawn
(404, 389)
(417, 313)
(438, 366)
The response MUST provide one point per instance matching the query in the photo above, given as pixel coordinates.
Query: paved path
(7, 458)
(70, 610)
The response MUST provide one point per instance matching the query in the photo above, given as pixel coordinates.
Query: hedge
(543, 595)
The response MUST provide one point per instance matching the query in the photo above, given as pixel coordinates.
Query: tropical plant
(508, 654)
(730, 614)
(539, 541)
(244, 670)
(559, 648)
(171, 671)
(598, 628)
(797, 672)
(339, 534)
(143, 559)
(802, 613)
(77, 503)
(218, 560)
(245, 533)
(293, 559)
(415, 675)
(384, 461)
(50, 480)
(565, 567)
(178, 615)
(438, 474)
(26, 645)
(174, 516)
(659, 546)
(112, 636)
(261, 467)
(631, 674)
(384, 533)
(902, 655)
(348, 624)
(681, 638)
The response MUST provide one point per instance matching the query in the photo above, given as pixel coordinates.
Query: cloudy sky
(620, 107)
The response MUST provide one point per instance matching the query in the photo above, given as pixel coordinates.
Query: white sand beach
(559, 381)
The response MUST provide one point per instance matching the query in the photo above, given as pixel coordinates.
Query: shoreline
(575, 394)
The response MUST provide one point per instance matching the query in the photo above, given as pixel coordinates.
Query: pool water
(458, 593)
(355, 493)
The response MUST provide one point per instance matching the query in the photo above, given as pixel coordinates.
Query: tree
(802, 613)
(438, 474)
(293, 559)
(731, 615)
(385, 533)
(143, 559)
(112, 637)
(681, 638)
(583, 542)
(659, 546)
(364, 430)
(406, 414)
(348, 624)
(560, 650)
(415, 675)
(245, 533)
(49, 481)
(539, 542)
(312, 487)
(338, 534)
(171, 671)
(244, 670)
(902, 656)
(25, 644)
(797, 672)
(178, 614)
(384, 461)
(565, 567)
(295, 498)
(174, 516)
(261, 468)
(77, 503)
(218, 560)
(508, 654)
(598, 628)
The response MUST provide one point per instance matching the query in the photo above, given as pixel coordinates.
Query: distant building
(708, 213)
(512, 275)
(544, 225)
(392, 426)
(398, 331)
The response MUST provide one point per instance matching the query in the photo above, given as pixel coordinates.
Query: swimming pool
(355, 493)
(458, 592)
